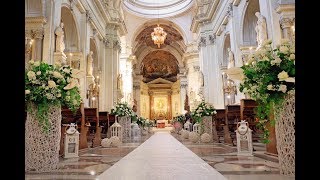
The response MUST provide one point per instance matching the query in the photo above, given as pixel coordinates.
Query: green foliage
(48, 85)
(269, 77)
(180, 118)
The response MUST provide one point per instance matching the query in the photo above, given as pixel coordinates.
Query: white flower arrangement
(45, 85)
(203, 109)
(268, 77)
(122, 109)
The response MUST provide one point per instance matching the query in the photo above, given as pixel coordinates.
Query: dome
(157, 8)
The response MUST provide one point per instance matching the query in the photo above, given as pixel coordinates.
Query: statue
(261, 29)
(119, 82)
(60, 38)
(90, 64)
(231, 62)
(201, 78)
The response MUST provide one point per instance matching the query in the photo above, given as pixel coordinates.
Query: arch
(249, 20)
(71, 33)
(94, 49)
(151, 22)
(149, 50)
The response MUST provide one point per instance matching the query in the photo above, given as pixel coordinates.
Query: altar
(162, 123)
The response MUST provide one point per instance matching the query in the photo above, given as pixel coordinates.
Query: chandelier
(158, 36)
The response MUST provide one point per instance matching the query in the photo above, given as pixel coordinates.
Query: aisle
(161, 157)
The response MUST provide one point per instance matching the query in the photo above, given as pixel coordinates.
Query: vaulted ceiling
(144, 37)
(159, 64)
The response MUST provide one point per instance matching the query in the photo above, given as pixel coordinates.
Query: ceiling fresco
(159, 64)
(144, 37)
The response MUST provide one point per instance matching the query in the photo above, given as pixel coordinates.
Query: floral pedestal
(285, 134)
(41, 148)
(209, 128)
(125, 122)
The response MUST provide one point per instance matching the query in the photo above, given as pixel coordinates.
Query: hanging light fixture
(158, 35)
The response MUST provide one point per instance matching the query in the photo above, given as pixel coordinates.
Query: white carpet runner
(161, 157)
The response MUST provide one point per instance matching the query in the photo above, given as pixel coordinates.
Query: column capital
(286, 22)
(196, 68)
(136, 87)
(183, 85)
(212, 38)
(107, 42)
(116, 45)
(202, 42)
(37, 33)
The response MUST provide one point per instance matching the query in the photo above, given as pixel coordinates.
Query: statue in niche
(60, 46)
(134, 107)
(261, 29)
(119, 82)
(231, 62)
(90, 64)
(192, 95)
(201, 78)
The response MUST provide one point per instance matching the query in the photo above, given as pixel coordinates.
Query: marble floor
(93, 163)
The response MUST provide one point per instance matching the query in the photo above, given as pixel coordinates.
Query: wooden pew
(247, 113)
(111, 120)
(232, 118)
(222, 126)
(103, 121)
(92, 116)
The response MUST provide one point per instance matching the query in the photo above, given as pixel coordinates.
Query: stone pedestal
(42, 148)
(285, 133)
(60, 57)
(125, 122)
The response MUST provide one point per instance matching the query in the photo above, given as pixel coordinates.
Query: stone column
(287, 26)
(169, 105)
(136, 96)
(28, 46)
(115, 68)
(53, 15)
(108, 73)
(209, 65)
(37, 44)
(203, 61)
(183, 92)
